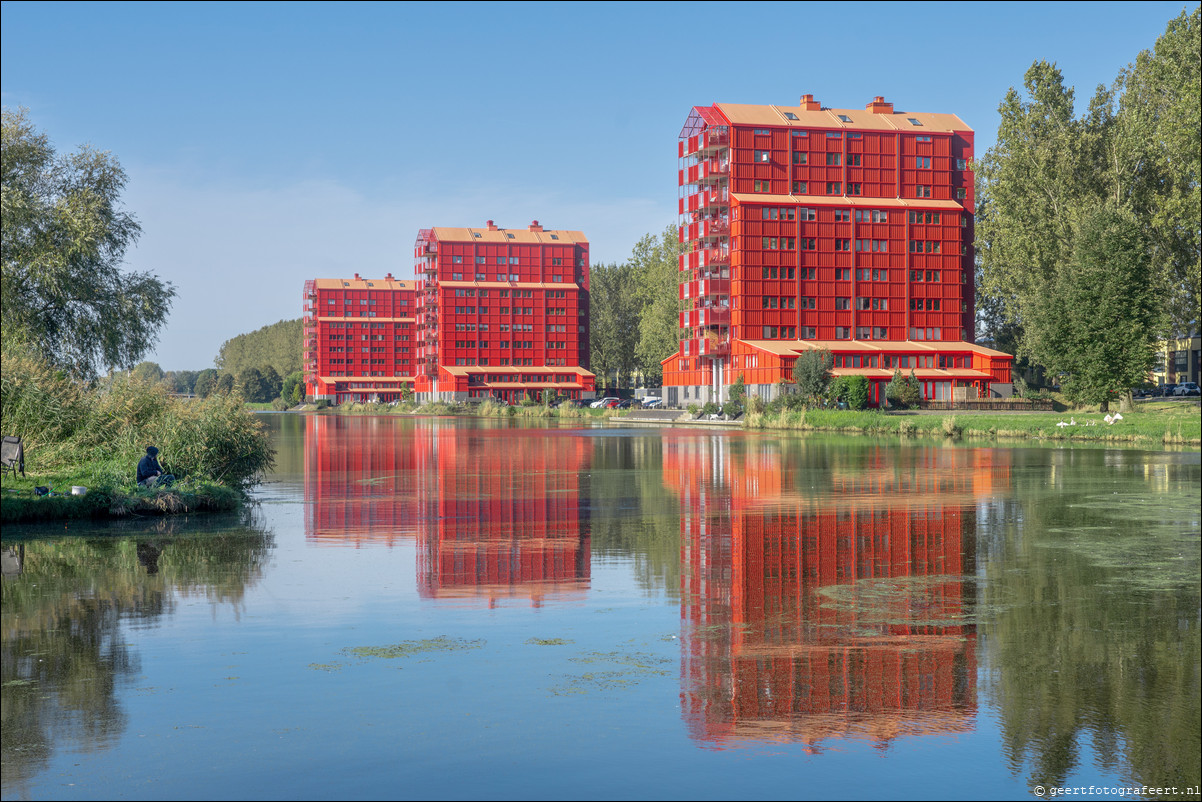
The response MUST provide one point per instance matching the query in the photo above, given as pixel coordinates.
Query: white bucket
(77, 490)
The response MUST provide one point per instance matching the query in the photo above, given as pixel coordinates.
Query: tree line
(1087, 226)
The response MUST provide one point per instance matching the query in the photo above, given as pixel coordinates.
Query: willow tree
(64, 238)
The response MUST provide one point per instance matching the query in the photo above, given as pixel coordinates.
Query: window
(922, 162)
(761, 186)
(763, 156)
(842, 245)
(770, 332)
(921, 191)
(880, 333)
(843, 303)
(761, 131)
(853, 160)
(807, 214)
(913, 121)
(834, 135)
(863, 333)
(843, 274)
(961, 193)
(842, 333)
(834, 159)
(807, 244)
(961, 164)
(456, 277)
(458, 260)
(790, 115)
(799, 157)
(842, 215)
(853, 189)
(844, 118)
(863, 303)
(800, 188)
(808, 333)
(922, 138)
(833, 188)
(809, 303)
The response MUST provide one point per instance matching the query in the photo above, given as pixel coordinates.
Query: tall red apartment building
(359, 338)
(805, 227)
(502, 313)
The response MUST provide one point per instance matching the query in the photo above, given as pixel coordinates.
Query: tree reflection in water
(63, 655)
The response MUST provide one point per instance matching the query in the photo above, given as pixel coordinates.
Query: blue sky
(271, 143)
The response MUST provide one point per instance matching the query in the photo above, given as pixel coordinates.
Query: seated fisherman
(150, 473)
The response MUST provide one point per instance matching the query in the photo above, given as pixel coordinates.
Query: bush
(102, 432)
(710, 408)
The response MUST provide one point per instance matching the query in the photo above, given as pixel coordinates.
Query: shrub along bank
(78, 434)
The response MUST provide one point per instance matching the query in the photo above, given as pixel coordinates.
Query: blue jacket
(148, 466)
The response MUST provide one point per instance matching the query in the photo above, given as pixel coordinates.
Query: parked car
(652, 401)
(1187, 388)
(1167, 389)
(611, 403)
(600, 403)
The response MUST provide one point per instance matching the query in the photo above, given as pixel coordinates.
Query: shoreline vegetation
(92, 434)
(1151, 424)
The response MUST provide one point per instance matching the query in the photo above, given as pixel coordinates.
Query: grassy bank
(484, 409)
(1150, 424)
(93, 435)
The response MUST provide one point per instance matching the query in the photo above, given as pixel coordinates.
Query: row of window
(556, 261)
(555, 279)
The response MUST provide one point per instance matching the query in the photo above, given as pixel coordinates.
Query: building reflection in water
(827, 602)
(484, 531)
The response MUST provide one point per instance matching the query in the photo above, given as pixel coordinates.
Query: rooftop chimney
(357, 277)
(492, 226)
(879, 106)
(809, 104)
(388, 277)
(534, 226)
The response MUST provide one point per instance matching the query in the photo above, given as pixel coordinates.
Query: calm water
(457, 609)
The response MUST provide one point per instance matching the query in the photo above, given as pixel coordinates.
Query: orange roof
(327, 319)
(845, 200)
(517, 285)
(509, 235)
(361, 284)
(860, 119)
(790, 347)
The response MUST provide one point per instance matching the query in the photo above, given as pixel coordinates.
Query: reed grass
(97, 433)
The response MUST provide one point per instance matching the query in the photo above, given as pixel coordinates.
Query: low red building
(502, 313)
(359, 338)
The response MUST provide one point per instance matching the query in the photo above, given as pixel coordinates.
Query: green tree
(1101, 320)
(1159, 121)
(64, 236)
(656, 262)
(293, 388)
(147, 372)
(206, 382)
(272, 382)
(614, 312)
(224, 384)
(812, 373)
(278, 345)
(737, 401)
(253, 387)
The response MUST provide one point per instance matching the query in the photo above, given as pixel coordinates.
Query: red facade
(502, 313)
(840, 610)
(359, 338)
(807, 227)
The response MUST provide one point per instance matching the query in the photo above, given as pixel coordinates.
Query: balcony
(713, 316)
(716, 197)
(713, 287)
(713, 170)
(713, 138)
(714, 228)
(713, 346)
(714, 257)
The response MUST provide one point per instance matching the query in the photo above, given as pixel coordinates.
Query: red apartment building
(502, 313)
(805, 227)
(359, 338)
